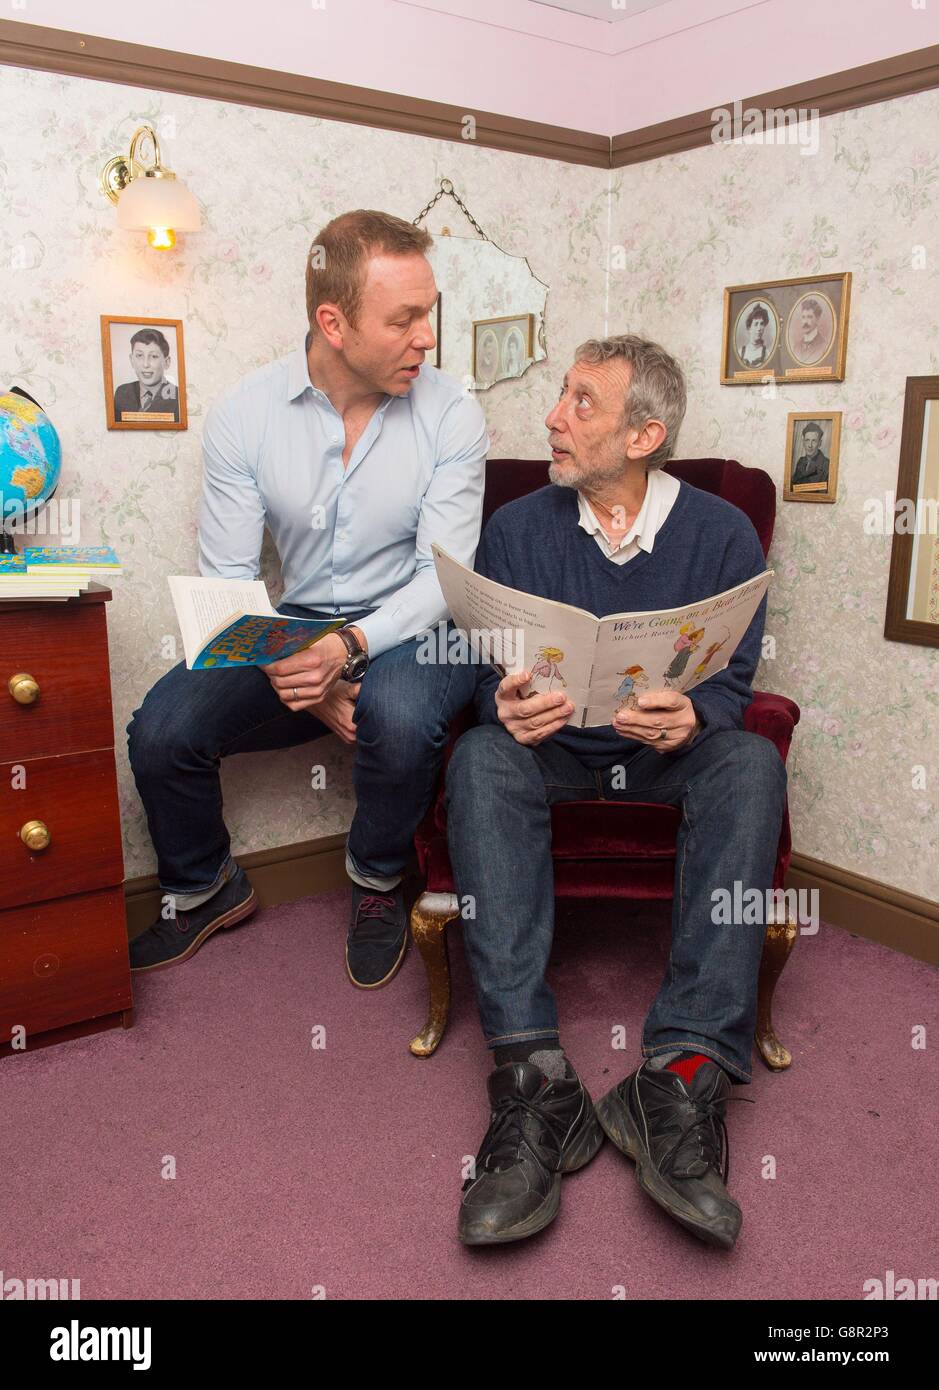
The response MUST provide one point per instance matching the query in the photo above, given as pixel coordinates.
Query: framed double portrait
(786, 330)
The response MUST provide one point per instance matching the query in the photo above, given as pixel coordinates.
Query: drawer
(63, 962)
(75, 798)
(64, 647)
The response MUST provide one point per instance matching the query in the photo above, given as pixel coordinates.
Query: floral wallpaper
(647, 249)
(864, 766)
(266, 181)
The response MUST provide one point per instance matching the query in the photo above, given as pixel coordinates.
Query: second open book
(601, 664)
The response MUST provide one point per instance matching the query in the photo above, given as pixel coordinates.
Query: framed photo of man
(144, 373)
(786, 330)
(813, 446)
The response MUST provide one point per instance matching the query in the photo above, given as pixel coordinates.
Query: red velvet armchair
(604, 849)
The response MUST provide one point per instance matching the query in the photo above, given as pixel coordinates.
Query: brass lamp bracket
(123, 169)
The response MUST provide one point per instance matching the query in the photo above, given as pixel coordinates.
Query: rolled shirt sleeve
(450, 516)
(231, 513)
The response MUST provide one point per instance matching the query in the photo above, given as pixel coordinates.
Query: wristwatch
(357, 662)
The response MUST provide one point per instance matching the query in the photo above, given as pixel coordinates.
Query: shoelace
(506, 1133)
(371, 910)
(709, 1132)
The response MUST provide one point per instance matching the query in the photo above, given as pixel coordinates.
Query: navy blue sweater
(705, 546)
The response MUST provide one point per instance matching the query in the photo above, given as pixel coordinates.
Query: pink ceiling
(608, 70)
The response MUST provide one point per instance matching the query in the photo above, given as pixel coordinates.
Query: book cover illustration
(257, 640)
(84, 557)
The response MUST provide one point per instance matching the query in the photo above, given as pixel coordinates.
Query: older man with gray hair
(613, 533)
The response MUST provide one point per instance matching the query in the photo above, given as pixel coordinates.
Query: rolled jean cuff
(186, 902)
(707, 1049)
(529, 1035)
(377, 882)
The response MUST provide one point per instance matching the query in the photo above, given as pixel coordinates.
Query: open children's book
(602, 664)
(230, 622)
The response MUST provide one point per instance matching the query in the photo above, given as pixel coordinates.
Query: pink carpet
(338, 1168)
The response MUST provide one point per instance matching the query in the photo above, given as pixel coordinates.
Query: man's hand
(335, 709)
(659, 709)
(305, 679)
(532, 719)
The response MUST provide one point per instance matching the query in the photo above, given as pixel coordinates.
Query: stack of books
(54, 573)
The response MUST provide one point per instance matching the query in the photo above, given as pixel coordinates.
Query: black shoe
(538, 1130)
(378, 936)
(674, 1131)
(172, 940)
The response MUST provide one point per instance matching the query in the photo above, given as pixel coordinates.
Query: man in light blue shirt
(356, 455)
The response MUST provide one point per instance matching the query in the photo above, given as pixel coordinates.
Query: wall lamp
(149, 197)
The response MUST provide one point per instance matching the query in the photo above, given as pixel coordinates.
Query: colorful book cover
(258, 641)
(12, 564)
(82, 557)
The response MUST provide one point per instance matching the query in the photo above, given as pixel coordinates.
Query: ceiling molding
(215, 79)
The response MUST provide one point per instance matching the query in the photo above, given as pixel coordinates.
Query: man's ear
(650, 438)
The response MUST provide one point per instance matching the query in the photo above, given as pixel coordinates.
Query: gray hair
(656, 385)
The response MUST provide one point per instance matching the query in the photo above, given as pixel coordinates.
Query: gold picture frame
(808, 458)
(166, 407)
(913, 584)
(808, 340)
(497, 333)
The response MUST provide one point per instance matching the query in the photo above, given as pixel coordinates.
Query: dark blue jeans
(192, 719)
(731, 787)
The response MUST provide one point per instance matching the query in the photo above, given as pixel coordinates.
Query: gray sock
(662, 1059)
(553, 1063)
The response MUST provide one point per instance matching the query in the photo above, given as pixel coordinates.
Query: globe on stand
(30, 463)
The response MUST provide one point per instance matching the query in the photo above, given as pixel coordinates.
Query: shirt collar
(645, 525)
(298, 379)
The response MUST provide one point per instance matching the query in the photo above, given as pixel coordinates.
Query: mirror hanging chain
(446, 187)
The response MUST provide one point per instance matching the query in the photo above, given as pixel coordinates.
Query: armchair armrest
(774, 717)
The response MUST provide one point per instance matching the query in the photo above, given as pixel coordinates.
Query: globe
(30, 461)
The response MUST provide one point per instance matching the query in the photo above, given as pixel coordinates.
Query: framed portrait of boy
(144, 373)
(786, 330)
(813, 445)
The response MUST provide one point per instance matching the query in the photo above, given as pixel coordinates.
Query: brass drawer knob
(35, 836)
(23, 688)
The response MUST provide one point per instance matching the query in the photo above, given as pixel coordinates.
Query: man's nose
(553, 418)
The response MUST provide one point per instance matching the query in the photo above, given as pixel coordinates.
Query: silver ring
(663, 733)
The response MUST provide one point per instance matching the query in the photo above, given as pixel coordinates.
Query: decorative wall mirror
(491, 321)
(913, 590)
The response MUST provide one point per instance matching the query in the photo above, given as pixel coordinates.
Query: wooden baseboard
(902, 921)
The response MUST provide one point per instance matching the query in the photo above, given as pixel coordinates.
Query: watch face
(355, 667)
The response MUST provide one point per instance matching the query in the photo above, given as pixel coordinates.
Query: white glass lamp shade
(147, 203)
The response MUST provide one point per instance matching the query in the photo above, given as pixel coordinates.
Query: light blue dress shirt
(354, 537)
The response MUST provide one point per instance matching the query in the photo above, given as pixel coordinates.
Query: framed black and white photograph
(813, 445)
(144, 373)
(502, 347)
(786, 330)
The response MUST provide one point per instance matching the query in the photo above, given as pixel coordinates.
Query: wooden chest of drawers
(64, 967)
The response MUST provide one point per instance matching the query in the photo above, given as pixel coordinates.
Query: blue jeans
(192, 719)
(731, 787)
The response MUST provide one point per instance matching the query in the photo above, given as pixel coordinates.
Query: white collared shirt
(661, 491)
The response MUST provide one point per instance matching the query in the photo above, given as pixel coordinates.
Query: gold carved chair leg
(429, 918)
(780, 939)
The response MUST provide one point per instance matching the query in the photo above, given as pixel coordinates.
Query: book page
(204, 605)
(515, 631)
(676, 649)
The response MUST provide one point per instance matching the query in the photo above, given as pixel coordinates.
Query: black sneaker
(538, 1130)
(378, 936)
(172, 940)
(674, 1131)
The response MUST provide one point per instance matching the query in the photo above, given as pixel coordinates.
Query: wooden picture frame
(498, 330)
(436, 315)
(798, 452)
(792, 351)
(166, 408)
(913, 582)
